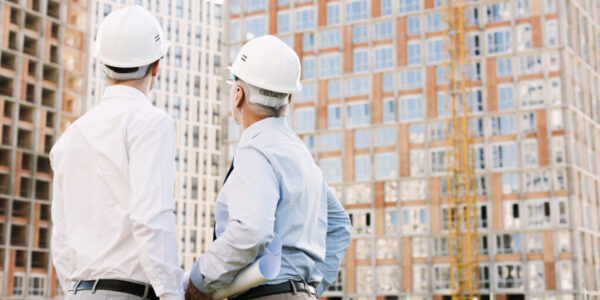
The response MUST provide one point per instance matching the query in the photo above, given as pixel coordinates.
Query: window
(417, 162)
(334, 118)
(357, 86)
(307, 94)
(503, 67)
(254, 5)
(508, 243)
(420, 278)
(565, 274)
(524, 37)
(234, 7)
(523, 9)
(283, 22)
(383, 31)
(413, 53)
(504, 156)
(362, 139)
(412, 190)
(361, 60)
(234, 32)
(410, 80)
(479, 157)
(475, 44)
(18, 285)
(441, 277)
(416, 133)
(384, 58)
(538, 213)
(356, 10)
(37, 286)
(331, 142)
(551, 33)
(389, 111)
(437, 131)
(511, 215)
(358, 114)
(534, 242)
(387, 82)
(385, 165)
(330, 39)
(498, 12)
(419, 246)
(503, 125)
(386, 7)
(562, 213)
(411, 108)
(498, 41)
(387, 248)
(361, 222)
(529, 153)
(531, 93)
(333, 89)
(333, 14)
(309, 141)
(331, 65)
(304, 120)
(388, 279)
(308, 68)
(406, 6)
(438, 161)
(362, 167)
(510, 276)
(435, 50)
(531, 64)
(506, 99)
(528, 123)
(385, 136)
(440, 246)
(305, 19)
(360, 34)
(536, 181)
(255, 27)
(434, 22)
(550, 6)
(536, 275)
(281, 3)
(414, 219)
(413, 25)
(332, 169)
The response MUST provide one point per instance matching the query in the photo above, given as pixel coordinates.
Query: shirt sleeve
(61, 252)
(252, 193)
(151, 176)
(336, 242)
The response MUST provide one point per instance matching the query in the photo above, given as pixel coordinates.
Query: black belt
(282, 288)
(115, 285)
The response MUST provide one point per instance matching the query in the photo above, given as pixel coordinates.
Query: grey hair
(263, 110)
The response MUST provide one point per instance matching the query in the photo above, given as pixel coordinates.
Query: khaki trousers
(288, 296)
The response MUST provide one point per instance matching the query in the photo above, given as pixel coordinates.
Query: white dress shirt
(113, 195)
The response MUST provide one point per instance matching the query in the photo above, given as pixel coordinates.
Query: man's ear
(239, 97)
(155, 68)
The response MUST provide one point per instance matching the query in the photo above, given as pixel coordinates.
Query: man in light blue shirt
(274, 188)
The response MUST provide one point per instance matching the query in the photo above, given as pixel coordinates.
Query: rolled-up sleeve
(151, 174)
(252, 192)
(336, 241)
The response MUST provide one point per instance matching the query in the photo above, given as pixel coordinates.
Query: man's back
(105, 207)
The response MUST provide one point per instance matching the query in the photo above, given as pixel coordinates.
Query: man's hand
(192, 293)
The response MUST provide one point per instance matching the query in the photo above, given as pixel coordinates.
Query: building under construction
(374, 111)
(42, 80)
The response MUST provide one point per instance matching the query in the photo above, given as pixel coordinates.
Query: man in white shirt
(114, 226)
(273, 189)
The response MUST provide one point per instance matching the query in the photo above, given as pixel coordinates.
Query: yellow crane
(463, 241)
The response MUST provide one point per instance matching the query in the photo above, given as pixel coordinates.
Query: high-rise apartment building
(372, 111)
(189, 89)
(42, 81)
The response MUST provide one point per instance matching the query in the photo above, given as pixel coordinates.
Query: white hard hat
(268, 63)
(129, 37)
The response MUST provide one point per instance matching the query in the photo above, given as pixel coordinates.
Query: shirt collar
(259, 127)
(123, 91)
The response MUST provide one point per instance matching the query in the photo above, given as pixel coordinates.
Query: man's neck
(249, 119)
(139, 85)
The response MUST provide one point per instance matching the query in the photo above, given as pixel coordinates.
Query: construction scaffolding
(463, 240)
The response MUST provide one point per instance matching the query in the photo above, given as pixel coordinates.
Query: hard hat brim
(138, 63)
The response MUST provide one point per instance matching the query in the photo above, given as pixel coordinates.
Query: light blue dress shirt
(275, 187)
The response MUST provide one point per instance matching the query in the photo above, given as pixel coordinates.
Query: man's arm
(151, 176)
(61, 253)
(252, 193)
(337, 240)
